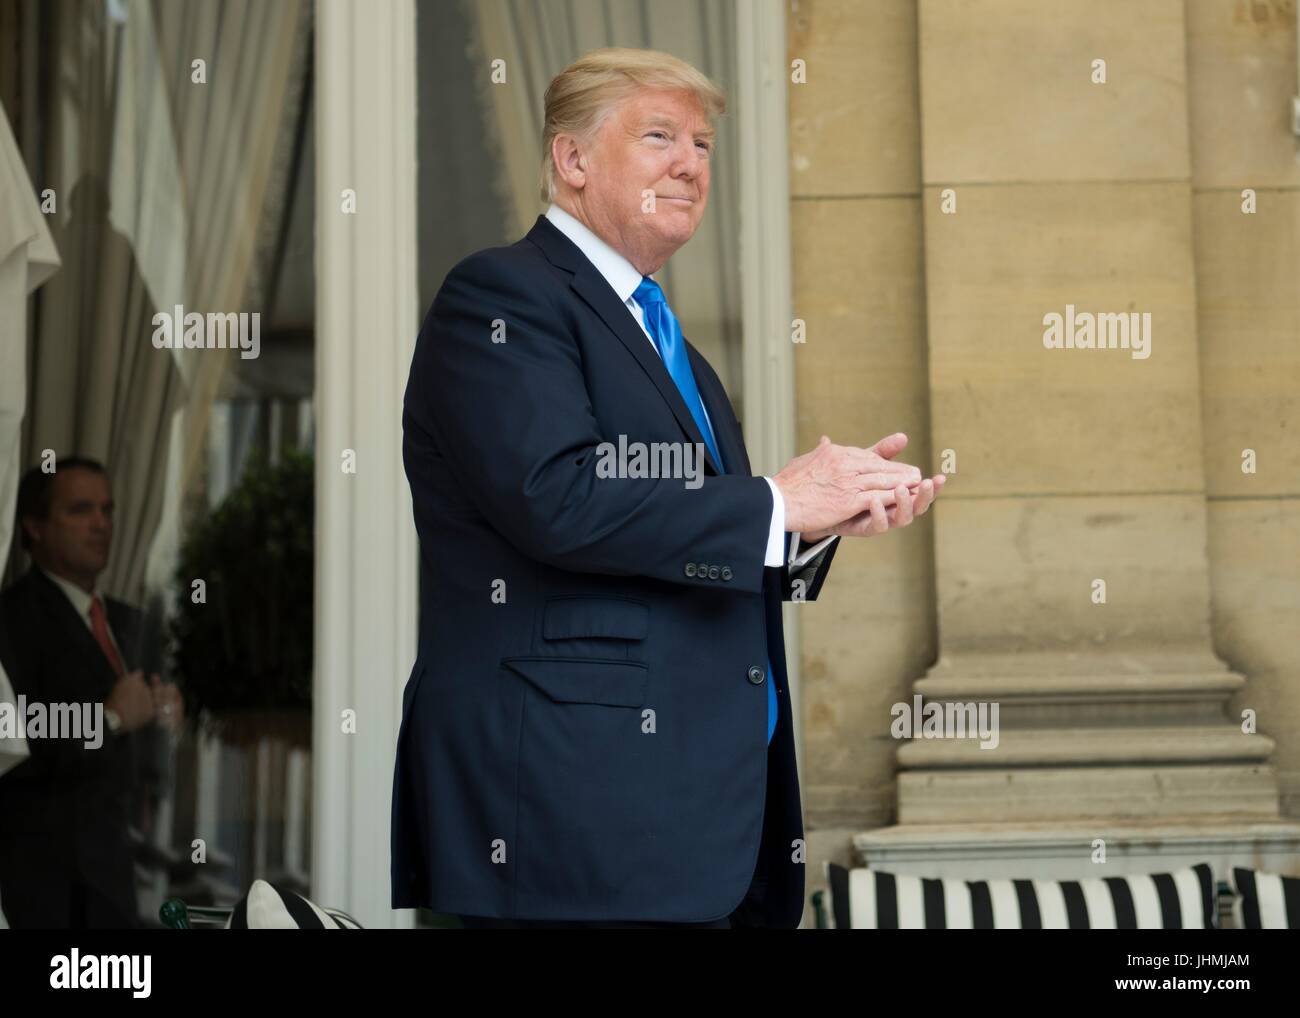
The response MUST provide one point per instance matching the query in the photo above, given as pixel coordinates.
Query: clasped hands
(842, 489)
(139, 703)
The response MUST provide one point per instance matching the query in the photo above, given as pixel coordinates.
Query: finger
(855, 526)
(898, 473)
(937, 481)
(905, 472)
(886, 497)
(860, 504)
(870, 460)
(904, 514)
(923, 498)
(894, 512)
(885, 483)
(891, 445)
(879, 521)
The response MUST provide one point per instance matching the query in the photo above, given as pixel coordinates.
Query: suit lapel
(591, 286)
(65, 620)
(731, 443)
(122, 620)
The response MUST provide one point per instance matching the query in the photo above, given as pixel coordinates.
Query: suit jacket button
(756, 674)
(690, 568)
(702, 570)
(713, 572)
(726, 572)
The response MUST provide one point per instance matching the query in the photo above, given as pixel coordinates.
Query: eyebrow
(659, 120)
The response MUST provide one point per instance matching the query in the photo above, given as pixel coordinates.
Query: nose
(690, 163)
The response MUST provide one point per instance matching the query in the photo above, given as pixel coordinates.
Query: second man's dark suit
(65, 854)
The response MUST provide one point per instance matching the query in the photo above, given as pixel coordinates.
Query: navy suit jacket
(584, 733)
(65, 812)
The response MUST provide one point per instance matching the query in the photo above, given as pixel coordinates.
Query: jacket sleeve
(806, 584)
(50, 757)
(515, 423)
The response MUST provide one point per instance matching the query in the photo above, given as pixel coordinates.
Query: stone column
(1071, 565)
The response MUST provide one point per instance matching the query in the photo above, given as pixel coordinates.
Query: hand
(877, 519)
(168, 705)
(834, 483)
(132, 701)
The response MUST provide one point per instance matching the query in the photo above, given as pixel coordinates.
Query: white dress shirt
(624, 278)
(81, 601)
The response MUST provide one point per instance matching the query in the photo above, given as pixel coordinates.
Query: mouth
(670, 197)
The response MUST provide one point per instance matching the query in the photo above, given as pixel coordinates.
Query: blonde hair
(581, 97)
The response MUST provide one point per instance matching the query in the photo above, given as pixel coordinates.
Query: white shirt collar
(79, 598)
(620, 273)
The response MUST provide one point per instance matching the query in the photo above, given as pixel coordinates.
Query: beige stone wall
(1125, 195)
(859, 286)
(1241, 70)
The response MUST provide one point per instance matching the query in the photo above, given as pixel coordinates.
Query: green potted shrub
(242, 654)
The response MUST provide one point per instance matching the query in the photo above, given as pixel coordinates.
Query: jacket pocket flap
(610, 617)
(584, 680)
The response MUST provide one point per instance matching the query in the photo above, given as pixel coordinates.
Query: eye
(657, 134)
(705, 146)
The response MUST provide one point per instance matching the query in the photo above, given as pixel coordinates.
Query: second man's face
(77, 535)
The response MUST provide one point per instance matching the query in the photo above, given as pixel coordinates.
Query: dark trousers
(756, 887)
(66, 904)
(42, 889)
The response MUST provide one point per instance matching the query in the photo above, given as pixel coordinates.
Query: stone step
(1051, 688)
(1144, 746)
(988, 794)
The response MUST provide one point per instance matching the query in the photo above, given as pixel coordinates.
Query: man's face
(654, 143)
(75, 538)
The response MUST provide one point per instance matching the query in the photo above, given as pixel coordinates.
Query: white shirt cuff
(776, 533)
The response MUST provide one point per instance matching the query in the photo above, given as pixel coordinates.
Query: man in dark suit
(598, 729)
(66, 857)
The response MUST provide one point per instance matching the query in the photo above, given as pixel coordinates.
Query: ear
(30, 530)
(569, 161)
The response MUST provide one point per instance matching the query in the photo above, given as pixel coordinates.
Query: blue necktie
(662, 325)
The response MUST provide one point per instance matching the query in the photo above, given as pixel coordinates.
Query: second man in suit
(66, 853)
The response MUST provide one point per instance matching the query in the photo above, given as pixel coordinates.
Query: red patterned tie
(100, 627)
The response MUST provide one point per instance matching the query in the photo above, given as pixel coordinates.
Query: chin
(678, 234)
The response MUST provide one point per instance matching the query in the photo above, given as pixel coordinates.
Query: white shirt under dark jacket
(623, 278)
(81, 602)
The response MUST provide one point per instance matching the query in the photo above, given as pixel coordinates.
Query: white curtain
(170, 192)
(27, 259)
(537, 39)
